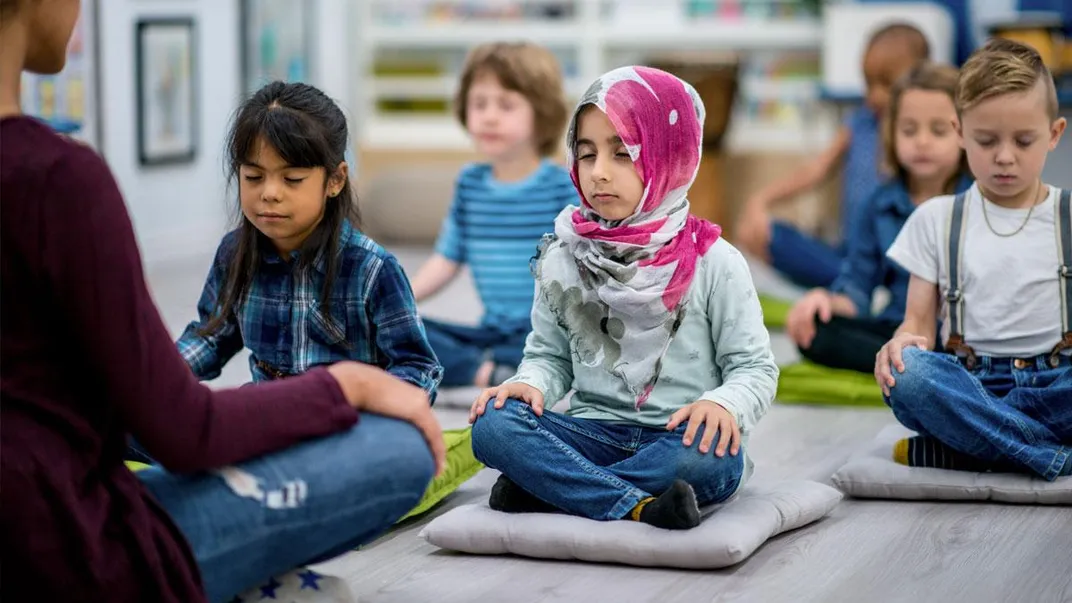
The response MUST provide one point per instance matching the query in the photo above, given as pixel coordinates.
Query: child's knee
(713, 478)
(497, 427)
(918, 375)
(916, 388)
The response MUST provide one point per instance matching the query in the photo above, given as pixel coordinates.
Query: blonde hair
(525, 68)
(926, 75)
(1003, 67)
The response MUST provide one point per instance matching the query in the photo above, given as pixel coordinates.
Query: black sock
(923, 451)
(675, 509)
(508, 497)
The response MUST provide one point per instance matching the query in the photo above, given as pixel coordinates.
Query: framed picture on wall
(167, 111)
(277, 41)
(68, 100)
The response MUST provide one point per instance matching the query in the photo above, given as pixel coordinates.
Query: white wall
(178, 211)
(181, 211)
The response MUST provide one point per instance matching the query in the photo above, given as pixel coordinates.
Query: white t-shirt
(1012, 300)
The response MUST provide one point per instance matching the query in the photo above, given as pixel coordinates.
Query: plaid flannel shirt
(373, 317)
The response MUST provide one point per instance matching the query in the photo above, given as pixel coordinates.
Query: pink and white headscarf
(620, 288)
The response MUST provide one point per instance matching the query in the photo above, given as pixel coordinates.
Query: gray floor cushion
(729, 534)
(873, 474)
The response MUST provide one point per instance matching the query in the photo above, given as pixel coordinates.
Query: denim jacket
(874, 226)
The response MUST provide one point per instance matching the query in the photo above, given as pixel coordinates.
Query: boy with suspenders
(998, 260)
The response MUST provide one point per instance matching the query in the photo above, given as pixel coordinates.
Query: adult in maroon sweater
(86, 360)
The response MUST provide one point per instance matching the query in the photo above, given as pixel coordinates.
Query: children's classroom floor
(865, 551)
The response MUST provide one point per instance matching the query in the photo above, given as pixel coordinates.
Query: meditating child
(510, 101)
(297, 282)
(855, 151)
(998, 259)
(835, 327)
(647, 315)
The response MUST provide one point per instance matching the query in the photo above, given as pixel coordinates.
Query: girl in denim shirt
(648, 315)
(835, 327)
(297, 282)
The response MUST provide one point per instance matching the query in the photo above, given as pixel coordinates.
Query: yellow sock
(900, 452)
(635, 513)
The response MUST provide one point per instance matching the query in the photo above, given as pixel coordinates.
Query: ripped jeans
(308, 503)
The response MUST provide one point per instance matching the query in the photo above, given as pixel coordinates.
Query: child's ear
(338, 179)
(960, 132)
(1056, 130)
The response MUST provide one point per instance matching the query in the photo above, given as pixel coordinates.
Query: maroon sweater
(86, 360)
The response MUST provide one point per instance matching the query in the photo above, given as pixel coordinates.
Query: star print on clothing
(268, 590)
(309, 579)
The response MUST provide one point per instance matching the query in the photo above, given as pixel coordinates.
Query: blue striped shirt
(372, 317)
(496, 227)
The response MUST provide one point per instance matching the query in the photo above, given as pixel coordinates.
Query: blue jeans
(1003, 411)
(805, 260)
(596, 469)
(462, 349)
(308, 503)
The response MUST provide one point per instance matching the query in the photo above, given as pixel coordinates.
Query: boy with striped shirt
(510, 100)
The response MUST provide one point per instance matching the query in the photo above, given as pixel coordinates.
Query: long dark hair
(308, 130)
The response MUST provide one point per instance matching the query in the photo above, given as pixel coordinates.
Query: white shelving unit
(596, 43)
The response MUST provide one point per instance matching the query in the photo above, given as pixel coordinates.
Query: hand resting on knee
(518, 391)
(371, 389)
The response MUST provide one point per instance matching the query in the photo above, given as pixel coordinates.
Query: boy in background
(511, 101)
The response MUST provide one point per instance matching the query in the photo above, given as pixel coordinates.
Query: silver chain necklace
(1038, 188)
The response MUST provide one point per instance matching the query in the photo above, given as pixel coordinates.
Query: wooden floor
(865, 551)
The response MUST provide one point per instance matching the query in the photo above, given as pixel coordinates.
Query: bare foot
(483, 374)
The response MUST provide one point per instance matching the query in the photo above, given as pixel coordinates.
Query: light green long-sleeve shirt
(721, 353)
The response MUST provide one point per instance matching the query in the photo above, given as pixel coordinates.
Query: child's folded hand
(518, 391)
(719, 422)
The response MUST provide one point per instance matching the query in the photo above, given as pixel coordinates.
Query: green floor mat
(809, 383)
(775, 311)
(461, 466)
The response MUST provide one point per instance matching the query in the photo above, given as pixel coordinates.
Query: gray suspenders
(955, 297)
(1063, 217)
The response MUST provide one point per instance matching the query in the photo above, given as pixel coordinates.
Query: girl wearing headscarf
(647, 316)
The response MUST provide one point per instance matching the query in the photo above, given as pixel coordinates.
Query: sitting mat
(728, 534)
(461, 466)
(872, 473)
(775, 311)
(809, 383)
